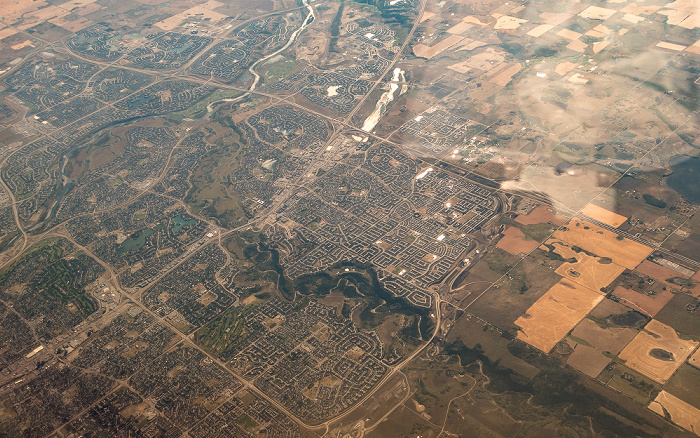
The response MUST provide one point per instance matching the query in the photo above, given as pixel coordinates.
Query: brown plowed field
(650, 305)
(657, 272)
(515, 242)
(590, 359)
(541, 215)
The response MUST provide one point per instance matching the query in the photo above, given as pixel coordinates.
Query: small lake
(685, 178)
(135, 241)
(180, 223)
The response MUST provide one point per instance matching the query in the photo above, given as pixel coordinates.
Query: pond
(685, 178)
(135, 241)
(180, 223)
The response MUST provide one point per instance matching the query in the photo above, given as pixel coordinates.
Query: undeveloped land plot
(695, 359)
(587, 359)
(684, 384)
(604, 243)
(429, 51)
(555, 313)
(605, 216)
(541, 215)
(657, 271)
(648, 304)
(681, 314)
(515, 242)
(588, 271)
(657, 351)
(590, 341)
(679, 411)
(509, 298)
(503, 76)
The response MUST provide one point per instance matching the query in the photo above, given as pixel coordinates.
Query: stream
(309, 18)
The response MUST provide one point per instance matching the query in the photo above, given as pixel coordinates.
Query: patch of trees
(653, 201)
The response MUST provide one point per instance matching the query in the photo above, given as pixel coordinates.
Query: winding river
(256, 77)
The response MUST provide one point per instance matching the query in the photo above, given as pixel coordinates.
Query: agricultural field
(680, 412)
(593, 345)
(603, 243)
(589, 271)
(515, 242)
(555, 313)
(657, 351)
(349, 218)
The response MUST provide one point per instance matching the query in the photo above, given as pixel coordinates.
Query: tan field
(682, 13)
(555, 313)
(70, 5)
(427, 16)
(506, 75)
(657, 271)
(589, 341)
(8, 31)
(670, 46)
(541, 215)
(587, 271)
(588, 360)
(680, 412)
(634, 19)
(578, 46)
(649, 305)
(459, 28)
(636, 9)
(540, 30)
(655, 336)
(569, 34)
(507, 22)
(603, 215)
(429, 51)
(72, 25)
(695, 48)
(201, 11)
(594, 33)
(27, 43)
(33, 18)
(565, 67)
(694, 360)
(14, 9)
(598, 46)
(604, 243)
(515, 242)
(33, 13)
(597, 13)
